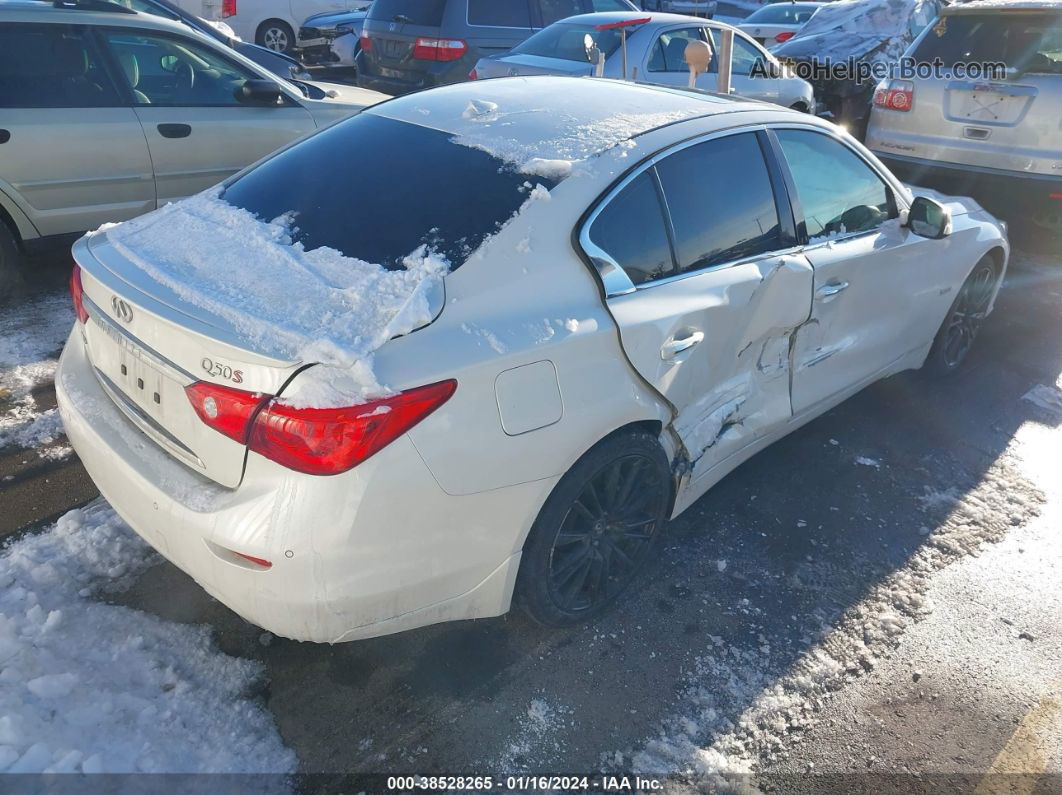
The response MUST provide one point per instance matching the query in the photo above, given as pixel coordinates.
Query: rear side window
(376, 189)
(839, 193)
(499, 13)
(669, 52)
(631, 229)
(409, 12)
(1027, 42)
(52, 66)
(721, 202)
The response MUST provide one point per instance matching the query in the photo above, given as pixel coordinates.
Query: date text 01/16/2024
(528, 783)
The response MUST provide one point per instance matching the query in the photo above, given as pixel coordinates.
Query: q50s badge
(219, 370)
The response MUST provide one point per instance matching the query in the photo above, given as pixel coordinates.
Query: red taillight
(365, 43)
(77, 294)
(330, 441)
(897, 95)
(432, 49)
(473, 75)
(785, 35)
(227, 411)
(228, 8)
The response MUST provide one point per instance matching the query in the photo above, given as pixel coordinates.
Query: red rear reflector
(227, 411)
(432, 49)
(228, 8)
(265, 564)
(784, 36)
(365, 43)
(77, 294)
(330, 441)
(1055, 196)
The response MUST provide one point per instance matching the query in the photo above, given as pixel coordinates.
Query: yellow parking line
(1017, 769)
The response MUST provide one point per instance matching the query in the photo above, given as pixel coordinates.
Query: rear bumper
(396, 82)
(1003, 192)
(373, 551)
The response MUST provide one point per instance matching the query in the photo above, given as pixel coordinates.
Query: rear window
(376, 189)
(782, 14)
(568, 42)
(1027, 42)
(410, 12)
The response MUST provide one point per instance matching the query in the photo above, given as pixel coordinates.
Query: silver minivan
(996, 137)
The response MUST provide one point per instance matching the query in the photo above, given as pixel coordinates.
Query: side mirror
(928, 218)
(258, 92)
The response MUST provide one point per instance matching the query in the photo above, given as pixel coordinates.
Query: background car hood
(331, 19)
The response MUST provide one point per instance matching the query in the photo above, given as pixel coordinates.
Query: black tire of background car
(535, 590)
(10, 263)
(965, 316)
(279, 25)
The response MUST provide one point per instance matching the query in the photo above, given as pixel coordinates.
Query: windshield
(569, 41)
(783, 14)
(411, 12)
(1026, 42)
(375, 189)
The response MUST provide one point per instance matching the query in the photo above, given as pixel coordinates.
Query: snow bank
(287, 302)
(90, 687)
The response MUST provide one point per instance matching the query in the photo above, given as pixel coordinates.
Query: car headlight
(343, 30)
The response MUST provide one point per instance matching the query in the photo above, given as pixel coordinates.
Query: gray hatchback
(408, 45)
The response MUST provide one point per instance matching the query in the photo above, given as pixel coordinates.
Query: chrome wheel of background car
(967, 314)
(276, 36)
(606, 533)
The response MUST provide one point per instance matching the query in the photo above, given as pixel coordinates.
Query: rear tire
(10, 263)
(963, 321)
(276, 35)
(596, 531)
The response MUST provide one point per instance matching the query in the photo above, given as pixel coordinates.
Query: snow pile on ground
(781, 708)
(536, 735)
(90, 687)
(285, 301)
(31, 336)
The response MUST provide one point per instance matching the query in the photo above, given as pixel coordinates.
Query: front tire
(964, 319)
(276, 35)
(596, 531)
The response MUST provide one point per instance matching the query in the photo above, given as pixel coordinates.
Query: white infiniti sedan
(521, 325)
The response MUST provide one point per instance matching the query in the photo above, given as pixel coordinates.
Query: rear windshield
(569, 42)
(1027, 42)
(410, 12)
(376, 189)
(782, 14)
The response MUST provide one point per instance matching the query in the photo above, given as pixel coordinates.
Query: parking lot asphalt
(877, 593)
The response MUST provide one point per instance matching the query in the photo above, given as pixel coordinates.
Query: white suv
(107, 114)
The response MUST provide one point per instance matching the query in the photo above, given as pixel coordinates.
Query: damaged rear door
(698, 253)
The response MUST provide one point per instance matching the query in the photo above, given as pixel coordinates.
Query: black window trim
(615, 279)
(896, 197)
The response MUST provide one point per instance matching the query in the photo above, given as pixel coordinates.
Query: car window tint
(609, 5)
(631, 229)
(51, 66)
(499, 13)
(838, 192)
(552, 10)
(175, 71)
(669, 53)
(721, 202)
(411, 12)
(1029, 42)
(462, 195)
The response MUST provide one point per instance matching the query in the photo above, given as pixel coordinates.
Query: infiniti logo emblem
(122, 310)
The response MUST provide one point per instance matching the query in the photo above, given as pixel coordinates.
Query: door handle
(673, 347)
(175, 130)
(832, 289)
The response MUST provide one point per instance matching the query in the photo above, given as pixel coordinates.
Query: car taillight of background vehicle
(77, 294)
(228, 8)
(365, 43)
(431, 49)
(895, 95)
(310, 440)
(785, 35)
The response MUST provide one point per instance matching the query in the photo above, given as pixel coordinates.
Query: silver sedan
(655, 54)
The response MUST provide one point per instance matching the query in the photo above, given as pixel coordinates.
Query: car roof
(555, 117)
(44, 11)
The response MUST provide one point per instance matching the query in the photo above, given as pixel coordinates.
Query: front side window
(721, 202)
(51, 66)
(631, 229)
(839, 193)
(669, 52)
(172, 71)
(499, 13)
